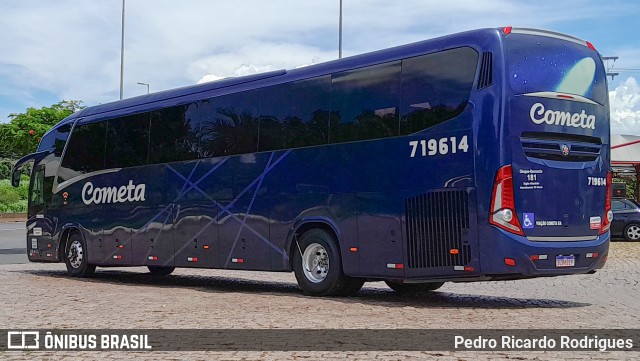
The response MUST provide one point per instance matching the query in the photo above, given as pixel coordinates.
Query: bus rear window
(547, 64)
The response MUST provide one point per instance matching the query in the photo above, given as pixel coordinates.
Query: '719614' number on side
(440, 146)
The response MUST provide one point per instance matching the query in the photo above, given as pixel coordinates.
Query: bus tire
(408, 288)
(76, 257)
(160, 270)
(318, 267)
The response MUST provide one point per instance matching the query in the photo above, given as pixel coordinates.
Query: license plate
(566, 261)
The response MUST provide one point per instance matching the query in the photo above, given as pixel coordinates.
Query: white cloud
(624, 101)
(70, 49)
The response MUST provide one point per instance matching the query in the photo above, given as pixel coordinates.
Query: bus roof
(196, 92)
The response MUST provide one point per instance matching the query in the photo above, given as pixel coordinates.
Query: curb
(13, 217)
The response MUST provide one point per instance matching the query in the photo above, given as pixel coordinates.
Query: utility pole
(340, 33)
(122, 55)
(613, 59)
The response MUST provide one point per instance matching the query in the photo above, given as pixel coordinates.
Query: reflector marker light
(590, 46)
(153, 258)
(537, 257)
(48, 245)
(592, 255)
(510, 262)
(464, 268)
(206, 246)
(454, 251)
(395, 265)
(117, 256)
(237, 260)
(353, 249)
(121, 246)
(507, 30)
(192, 259)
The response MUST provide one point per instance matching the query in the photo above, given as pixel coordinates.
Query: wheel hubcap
(633, 233)
(315, 262)
(76, 254)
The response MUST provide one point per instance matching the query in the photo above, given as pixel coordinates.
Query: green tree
(22, 134)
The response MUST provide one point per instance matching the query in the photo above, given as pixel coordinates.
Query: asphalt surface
(13, 243)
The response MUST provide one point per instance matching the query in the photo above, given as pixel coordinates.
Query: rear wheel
(632, 232)
(318, 266)
(76, 257)
(160, 271)
(407, 288)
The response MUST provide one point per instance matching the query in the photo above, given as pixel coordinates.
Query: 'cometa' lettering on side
(126, 193)
(555, 117)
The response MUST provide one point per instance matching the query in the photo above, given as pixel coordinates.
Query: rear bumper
(589, 255)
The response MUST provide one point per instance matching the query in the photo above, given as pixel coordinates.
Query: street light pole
(122, 55)
(146, 85)
(340, 34)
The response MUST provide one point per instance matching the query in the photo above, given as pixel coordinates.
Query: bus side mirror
(15, 178)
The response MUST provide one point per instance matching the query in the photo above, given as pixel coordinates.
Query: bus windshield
(550, 64)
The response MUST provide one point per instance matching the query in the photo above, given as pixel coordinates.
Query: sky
(70, 49)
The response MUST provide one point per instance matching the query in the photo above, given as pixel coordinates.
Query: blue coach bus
(477, 156)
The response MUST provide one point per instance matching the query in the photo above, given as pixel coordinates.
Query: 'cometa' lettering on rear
(555, 117)
(126, 193)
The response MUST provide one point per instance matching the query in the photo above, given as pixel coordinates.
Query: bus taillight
(608, 214)
(503, 208)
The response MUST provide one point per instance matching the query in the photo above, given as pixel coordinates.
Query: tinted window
(366, 103)
(231, 126)
(85, 152)
(127, 141)
(295, 114)
(55, 140)
(540, 63)
(436, 87)
(615, 205)
(173, 137)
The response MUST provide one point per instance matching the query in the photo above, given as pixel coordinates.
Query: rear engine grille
(437, 223)
(560, 147)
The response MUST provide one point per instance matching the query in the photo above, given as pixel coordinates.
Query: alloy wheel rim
(315, 263)
(76, 254)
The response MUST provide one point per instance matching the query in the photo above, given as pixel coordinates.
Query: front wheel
(318, 266)
(76, 257)
(632, 232)
(408, 288)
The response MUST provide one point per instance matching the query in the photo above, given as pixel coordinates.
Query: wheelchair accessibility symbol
(529, 220)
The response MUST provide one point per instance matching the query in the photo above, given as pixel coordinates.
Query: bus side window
(174, 134)
(85, 151)
(127, 141)
(436, 87)
(294, 115)
(231, 124)
(365, 103)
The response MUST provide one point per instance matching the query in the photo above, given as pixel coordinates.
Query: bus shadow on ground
(366, 295)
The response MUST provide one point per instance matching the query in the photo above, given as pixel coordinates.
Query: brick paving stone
(42, 296)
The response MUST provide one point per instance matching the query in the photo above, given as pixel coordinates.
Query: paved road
(12, 243)
(41, 296)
